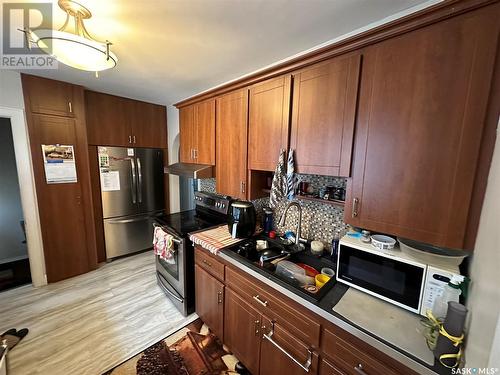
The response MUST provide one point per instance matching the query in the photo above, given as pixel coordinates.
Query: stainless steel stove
(177, 279)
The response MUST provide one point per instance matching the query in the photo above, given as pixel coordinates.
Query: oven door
(386, 277)
(173, 273)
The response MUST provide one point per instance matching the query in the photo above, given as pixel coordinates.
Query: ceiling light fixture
(72, 44)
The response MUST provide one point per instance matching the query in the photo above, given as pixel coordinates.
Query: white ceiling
(169, 50)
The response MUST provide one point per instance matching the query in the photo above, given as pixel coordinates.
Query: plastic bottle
(335, 246)
(451, 292)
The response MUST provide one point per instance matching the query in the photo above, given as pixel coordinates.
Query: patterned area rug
(192, 350)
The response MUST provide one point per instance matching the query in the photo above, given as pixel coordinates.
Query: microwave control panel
(435, 282)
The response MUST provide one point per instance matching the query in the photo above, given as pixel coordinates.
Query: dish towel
(214, 239)
(278, 187)
(163, 245)
(291, 177)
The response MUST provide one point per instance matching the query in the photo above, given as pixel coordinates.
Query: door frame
(29, 202)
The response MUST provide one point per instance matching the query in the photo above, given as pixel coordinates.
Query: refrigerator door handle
(134, 182)
(139, 171)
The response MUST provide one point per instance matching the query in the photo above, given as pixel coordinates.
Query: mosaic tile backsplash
(320, 220)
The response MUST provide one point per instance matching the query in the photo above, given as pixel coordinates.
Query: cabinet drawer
(209, 263)
(277, 309)
(328, 368)
(351, 359)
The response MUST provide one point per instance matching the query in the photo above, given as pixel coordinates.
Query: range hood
(190, 170)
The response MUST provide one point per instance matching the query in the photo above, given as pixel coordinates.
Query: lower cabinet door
(242, 330)
(209, 299)
(283, 353)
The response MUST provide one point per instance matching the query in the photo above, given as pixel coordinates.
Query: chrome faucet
(283, 218)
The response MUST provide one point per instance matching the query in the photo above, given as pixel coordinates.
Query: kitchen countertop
(393, 331)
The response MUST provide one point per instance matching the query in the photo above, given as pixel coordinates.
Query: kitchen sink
(277, 250)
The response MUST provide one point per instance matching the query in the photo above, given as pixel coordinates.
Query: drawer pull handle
(207, 263)
(355, 204)
(257, 298)
(359, 369)
(305, 366)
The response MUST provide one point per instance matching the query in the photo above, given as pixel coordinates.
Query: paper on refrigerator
(110, 181)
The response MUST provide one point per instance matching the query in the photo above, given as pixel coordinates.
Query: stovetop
(211, 210)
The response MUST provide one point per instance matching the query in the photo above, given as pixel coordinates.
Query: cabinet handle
(256, 326)
(192, 153)
(359, 369)
(242, 186)
(257, 298)
(207, 263)
(134, 138)
(70, 107)
(219, 297)
(355, 203)
(305, 366)
(129, 139)
(195, 153)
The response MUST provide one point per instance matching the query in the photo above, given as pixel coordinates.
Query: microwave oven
(391, 275)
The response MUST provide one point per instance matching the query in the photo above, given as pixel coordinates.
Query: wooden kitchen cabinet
(66, 215)
(50, 97)
(187, 134)
(209, 299)
(348, 355)
(117, 121)
(253, 309)
(197, 133)
(323, 116)
(272, 358)
(268, 122)
(148, 124)
(242, 330)
(231, 153)
(107, 120)
(422, 108)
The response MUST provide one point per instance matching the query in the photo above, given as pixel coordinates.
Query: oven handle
(177, 241)
(159, 275)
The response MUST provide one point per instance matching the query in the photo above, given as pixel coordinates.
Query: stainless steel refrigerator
(132, 191)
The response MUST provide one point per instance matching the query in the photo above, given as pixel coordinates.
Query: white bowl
(382, 242)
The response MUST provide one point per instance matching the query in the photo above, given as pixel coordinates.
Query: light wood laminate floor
(89, 323)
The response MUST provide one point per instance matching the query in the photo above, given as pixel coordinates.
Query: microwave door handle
(139, 173)
(134, 182)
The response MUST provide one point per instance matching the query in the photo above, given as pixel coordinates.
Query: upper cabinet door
(187, 134)
(205, 132)
(107, 120)
(268, 122)
(231, 166)
(50, 97)
(323, 115)
(148, 124)
(422, 107)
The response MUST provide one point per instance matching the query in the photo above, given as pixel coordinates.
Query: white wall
(12, 106)
(173, 156)
(484, 301)
(11, 91)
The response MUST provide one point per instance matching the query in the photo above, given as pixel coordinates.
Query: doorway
(14, 262)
